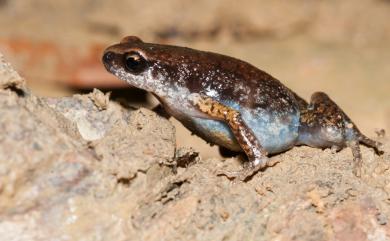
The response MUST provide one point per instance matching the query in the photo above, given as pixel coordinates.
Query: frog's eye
(135, 63)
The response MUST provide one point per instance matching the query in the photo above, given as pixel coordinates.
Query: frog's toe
(357, 169)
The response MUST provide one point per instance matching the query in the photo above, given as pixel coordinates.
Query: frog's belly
(275, 134)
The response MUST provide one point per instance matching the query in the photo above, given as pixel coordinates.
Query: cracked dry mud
(86, 168)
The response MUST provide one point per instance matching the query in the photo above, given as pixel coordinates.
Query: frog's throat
(157, 84)
(142, 81)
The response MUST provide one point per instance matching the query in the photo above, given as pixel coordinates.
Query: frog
(233, 104)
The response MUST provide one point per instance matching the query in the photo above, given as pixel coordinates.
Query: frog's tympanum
(233, 104)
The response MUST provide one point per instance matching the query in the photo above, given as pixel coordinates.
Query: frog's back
(268, 107)
(225, 78)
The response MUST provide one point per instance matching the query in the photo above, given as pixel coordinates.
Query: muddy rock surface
(87, 168)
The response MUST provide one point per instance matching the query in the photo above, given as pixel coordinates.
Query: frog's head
(129, 62)
(148, 66)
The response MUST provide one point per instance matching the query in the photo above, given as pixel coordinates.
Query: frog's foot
(245, 137)
(357, 157)
(323, 124)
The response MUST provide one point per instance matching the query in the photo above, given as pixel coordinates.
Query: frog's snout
(108, 57)
(108, 60)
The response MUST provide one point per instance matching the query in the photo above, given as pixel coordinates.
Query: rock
(9, 77)
(55, 182)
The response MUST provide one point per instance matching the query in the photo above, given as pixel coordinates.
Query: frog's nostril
(108, 57)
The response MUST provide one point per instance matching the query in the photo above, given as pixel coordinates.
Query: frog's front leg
(256, 154)
(323, 124)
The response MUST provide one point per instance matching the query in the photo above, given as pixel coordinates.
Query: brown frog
(233, 104)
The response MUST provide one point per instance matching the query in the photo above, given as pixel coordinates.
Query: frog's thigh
(245, 137)
(324, 124)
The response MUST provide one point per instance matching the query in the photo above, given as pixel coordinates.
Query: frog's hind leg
(377, 146)
(323, 124)
(256, 154)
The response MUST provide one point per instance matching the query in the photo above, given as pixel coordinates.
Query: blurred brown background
(340, 47)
